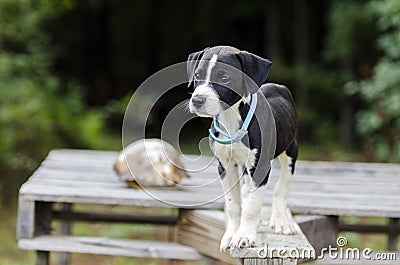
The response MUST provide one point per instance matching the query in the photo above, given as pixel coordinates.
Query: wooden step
(108, 246)
(203, 229)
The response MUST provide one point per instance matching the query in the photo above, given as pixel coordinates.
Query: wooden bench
(203, 229)
(69, 177)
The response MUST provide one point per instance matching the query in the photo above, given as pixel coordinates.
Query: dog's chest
(236, 153)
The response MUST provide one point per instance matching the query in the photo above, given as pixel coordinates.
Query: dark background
(113, 46)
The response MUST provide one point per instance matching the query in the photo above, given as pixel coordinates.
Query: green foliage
(349, 21)
(379, 122)
(322, 103)
(37, 111)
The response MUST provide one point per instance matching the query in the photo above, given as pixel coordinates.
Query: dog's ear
(192, 62)
(256, 68)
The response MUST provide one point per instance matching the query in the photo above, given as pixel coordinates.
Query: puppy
(253, 124)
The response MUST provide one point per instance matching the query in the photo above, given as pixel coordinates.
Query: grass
(9, 252)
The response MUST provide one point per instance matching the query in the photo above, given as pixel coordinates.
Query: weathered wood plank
(305, 170)
(26, 218)
(300, 202)
(365, 228)
(125, 196)
(203, 230)
(321, 231)
(107, 174)
(110, 177)
(334, 184)
(355, 166)
(309, 172)
(108, 246)
(95, 158)
(270, 245)
(76, 183)
(297, 202)
(350, 210)
(81, 152)
(296, 185)
(378, 199)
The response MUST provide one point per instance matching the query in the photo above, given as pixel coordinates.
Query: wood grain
(321, 188)
(108, 246)
(203, 231)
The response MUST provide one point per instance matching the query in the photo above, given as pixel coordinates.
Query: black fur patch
(221, 170)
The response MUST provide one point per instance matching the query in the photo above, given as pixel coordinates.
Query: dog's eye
(197, 76)
(225, 79)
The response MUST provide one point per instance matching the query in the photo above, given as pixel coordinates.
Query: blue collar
(242, 131)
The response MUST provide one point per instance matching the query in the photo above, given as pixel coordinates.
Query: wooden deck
(323, 188)
(79, 176)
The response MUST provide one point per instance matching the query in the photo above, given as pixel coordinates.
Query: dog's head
(221, 76)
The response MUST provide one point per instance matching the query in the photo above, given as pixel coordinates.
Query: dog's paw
(279, 222)
(243, 240)
(225, 241)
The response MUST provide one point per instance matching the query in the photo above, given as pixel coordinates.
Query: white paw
(243, 240)
(279, 222)
(226, 241)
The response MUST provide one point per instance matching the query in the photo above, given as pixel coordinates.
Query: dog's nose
(198, 101)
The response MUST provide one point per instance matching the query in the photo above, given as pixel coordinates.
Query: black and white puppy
(224, 81)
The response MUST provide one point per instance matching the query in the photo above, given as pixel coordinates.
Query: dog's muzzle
(205, 101)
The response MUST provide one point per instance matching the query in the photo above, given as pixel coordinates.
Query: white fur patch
(236, 153)
(210, 67)
(212, 105)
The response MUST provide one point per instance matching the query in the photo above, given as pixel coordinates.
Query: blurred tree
(37, 111)
(349, 46)
(379, 121)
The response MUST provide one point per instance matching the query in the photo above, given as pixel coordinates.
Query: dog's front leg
(250, 217)
(230, 183)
